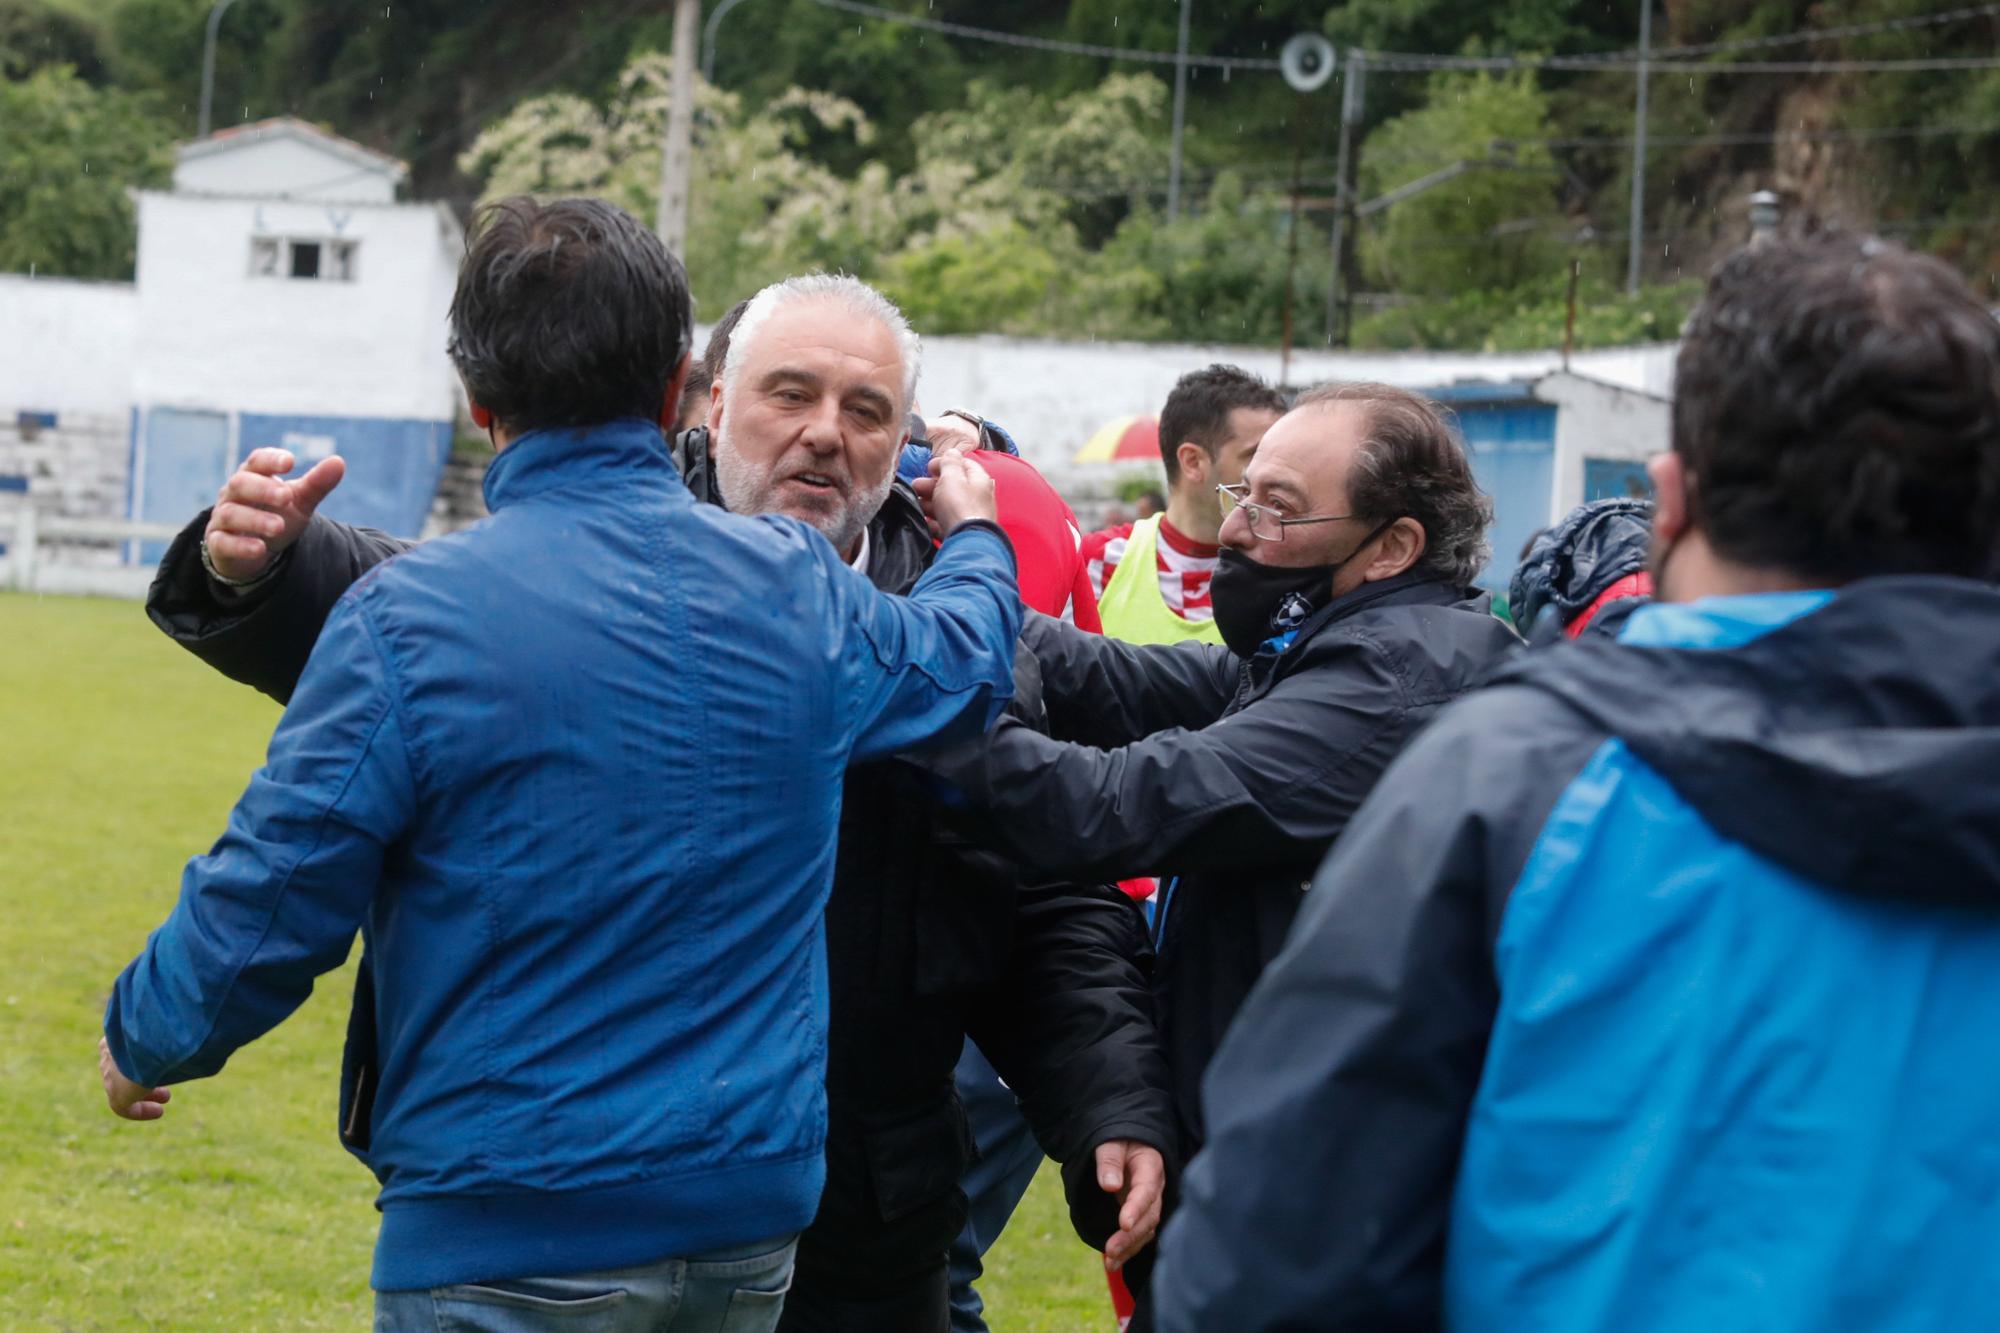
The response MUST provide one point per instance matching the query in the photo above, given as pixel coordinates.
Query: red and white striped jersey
(1187, 567)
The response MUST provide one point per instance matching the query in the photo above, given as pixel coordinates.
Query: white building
(283, 297)
(286, 298)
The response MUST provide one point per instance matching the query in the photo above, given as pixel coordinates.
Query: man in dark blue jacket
(1655, 986)
(575, 775)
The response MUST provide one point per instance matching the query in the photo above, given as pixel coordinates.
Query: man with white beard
(927, 943)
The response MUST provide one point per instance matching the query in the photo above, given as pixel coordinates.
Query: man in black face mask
(1344, 597)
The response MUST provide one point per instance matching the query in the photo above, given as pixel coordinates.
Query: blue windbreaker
(1655, 988)
(575, 775)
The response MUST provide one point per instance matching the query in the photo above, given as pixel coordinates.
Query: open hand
(1136, 1173)
(128, 1099)
(258, 513)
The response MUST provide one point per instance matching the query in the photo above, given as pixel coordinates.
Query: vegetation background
(999, 188)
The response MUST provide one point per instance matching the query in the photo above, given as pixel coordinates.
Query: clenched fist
(957, 491)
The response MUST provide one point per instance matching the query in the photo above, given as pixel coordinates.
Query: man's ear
(1399, 548)
(670, 405)
(482, 416)
(1194, 462)
(1670, 497)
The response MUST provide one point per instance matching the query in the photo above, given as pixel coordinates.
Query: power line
(1805, 35)
(1000, 38)
(1401, 62)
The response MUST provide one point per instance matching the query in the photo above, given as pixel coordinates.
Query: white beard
(748, 490)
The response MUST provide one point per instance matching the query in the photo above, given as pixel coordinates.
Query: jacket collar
(550, 460)
(1407, 589)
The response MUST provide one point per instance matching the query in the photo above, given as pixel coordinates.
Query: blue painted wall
(181, 457)
(393, 466)
(1622, 478)
(1513, 445)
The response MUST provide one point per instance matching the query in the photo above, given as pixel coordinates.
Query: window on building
(298, 257)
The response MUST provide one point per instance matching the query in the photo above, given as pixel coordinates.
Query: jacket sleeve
(939, 664)
(263, 636)
(1103, 692)
(1338, 1102)
(279, 898)
(1269, 785)
(1070, 1027)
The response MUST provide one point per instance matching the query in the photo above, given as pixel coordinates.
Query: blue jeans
(740, 1290)
(993, 1185)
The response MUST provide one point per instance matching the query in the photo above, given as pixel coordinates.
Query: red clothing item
(1187, 566)
(1046, 540)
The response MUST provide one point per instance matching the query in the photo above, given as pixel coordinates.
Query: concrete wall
(278, 162)
(1597, 420)
(211, 335)
(1052, 396)
(66, 346)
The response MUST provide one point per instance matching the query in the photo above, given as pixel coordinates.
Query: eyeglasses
(1265, 525)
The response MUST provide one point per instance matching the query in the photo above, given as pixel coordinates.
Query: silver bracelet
(238, 584)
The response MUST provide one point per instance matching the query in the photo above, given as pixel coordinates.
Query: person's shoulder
(1095, 543)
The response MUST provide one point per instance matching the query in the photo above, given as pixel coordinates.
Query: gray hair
(852, 295)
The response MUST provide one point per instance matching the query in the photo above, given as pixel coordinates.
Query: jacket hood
(1857, 745)
(1570, 566)
(899, 539)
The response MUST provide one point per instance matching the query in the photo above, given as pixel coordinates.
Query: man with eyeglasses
(1345, 603)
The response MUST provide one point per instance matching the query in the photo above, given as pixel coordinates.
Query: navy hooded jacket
(575, 775)
(1655, 987)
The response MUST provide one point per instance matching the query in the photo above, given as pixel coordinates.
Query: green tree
(1492, 227)
(69, 153)
(35, 34)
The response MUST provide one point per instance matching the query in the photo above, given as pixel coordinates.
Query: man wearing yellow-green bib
(1152, 577)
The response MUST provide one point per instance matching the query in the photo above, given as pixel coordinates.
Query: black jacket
(1228, 779)
(929, 941)
(1856, 747)
(1579, 560)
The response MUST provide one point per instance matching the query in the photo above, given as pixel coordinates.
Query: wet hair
(1837, 409)
(851, 294)
(1197, 411)
(1411, 465)
(567, 313)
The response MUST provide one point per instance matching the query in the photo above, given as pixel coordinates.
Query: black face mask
(1255, 601)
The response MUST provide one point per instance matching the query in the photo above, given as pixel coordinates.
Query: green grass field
(119, 758)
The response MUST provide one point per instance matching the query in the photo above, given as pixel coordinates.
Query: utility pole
(676, 158)
(1639, 149)
(208, 66)
(1180, 114)
(1354, 78)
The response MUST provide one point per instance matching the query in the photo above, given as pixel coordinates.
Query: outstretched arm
(278, 900)
(263, 529)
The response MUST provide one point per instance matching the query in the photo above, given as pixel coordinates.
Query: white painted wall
(66, 346)
(1596, 419)
(1052, 396)
(279, 162)
(211, 335)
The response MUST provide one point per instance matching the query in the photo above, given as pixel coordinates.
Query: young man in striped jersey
(1152, 577)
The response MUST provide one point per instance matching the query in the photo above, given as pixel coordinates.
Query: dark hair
(717, 350)
(567, 314)
(1412, 465)
(1197, 411)
(1837, 409)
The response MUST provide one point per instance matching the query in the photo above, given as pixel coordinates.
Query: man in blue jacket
(575, 776)
(1655, 986)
